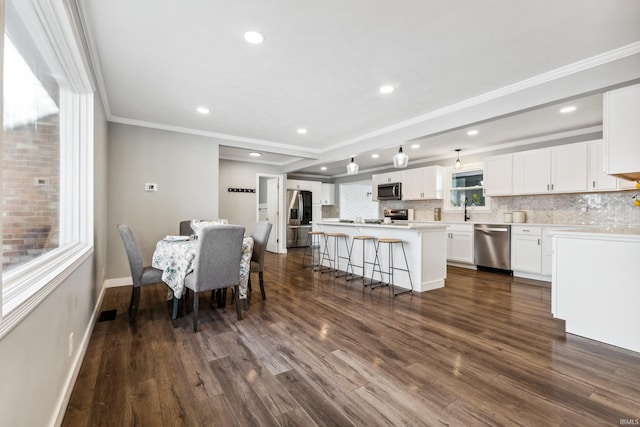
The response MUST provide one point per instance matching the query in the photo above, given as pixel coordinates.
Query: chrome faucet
(466, 215)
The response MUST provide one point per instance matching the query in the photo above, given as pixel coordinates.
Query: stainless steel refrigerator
(299, 217)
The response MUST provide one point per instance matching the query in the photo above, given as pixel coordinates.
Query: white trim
(26, 286)
(540, 79)
(231, 140)
(19, 308)
(63, 402)
(117, 282)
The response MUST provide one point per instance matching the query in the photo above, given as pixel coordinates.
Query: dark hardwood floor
(484, 350)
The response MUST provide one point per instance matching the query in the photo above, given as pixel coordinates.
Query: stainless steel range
(399, 214)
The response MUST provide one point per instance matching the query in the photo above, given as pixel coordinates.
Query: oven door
(390, 191)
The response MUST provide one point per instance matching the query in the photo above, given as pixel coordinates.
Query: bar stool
(314, 239)
(336, 252)
(363, 240)
(390, 242)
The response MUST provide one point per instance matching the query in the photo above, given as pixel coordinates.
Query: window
(31, 161)
(47, 148)
(466, 185)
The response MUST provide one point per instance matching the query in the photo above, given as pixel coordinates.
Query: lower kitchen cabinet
(460, 243)
(526, 249)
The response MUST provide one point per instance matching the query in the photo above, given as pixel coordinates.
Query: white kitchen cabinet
(534, 171)
(423, 183)
(498, 175)
(560, 169)
(460, 243)
(598, 179)
(621, 127)
(387, 178)
(295, 184)
(328, 194)
(569, 168)
(526, 249)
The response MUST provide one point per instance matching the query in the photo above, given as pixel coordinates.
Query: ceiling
(501, 67)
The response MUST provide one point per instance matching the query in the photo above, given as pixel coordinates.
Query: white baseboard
(119, 281)
(77, 361)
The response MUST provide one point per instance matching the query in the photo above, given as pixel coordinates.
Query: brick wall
(31, 191)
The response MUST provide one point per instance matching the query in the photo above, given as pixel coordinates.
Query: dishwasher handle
(492, 229)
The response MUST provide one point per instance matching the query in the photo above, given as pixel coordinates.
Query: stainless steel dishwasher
(492, 246)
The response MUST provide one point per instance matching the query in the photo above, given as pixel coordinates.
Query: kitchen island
(424, 244)
(596, 285)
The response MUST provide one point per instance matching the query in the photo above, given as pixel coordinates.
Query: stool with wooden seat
(314, 241)
(390, 242)
(336, 252)
(363, 240)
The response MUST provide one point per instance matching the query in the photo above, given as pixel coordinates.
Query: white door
(272, 213)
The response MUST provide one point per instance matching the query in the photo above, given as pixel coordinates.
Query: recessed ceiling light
(569, 109)
(253, 37)
(202, 110)
(415, 146)
(386, 89)
(255, 154)
(302, 131)
(472, 132)
(375, 156)
(323, 168)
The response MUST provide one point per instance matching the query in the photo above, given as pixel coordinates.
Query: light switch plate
(149, 186)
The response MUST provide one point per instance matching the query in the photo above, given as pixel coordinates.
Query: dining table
(176, 255)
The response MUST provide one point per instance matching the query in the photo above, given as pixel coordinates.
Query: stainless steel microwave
(391, 191)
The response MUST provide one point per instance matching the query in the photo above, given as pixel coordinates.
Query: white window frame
(25, 287)
(447, 208)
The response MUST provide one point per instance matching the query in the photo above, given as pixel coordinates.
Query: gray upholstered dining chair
(185, 228)
(139, 274)
(260, 234)
(217, 264)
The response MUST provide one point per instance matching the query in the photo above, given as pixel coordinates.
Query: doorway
(269, 205)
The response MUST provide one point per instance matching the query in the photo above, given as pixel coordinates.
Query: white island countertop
(425, 247)
(611, 232)
(397, 225)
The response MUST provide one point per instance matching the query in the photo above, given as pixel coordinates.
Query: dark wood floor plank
(244, 402)
(318, 407)
(484, 350)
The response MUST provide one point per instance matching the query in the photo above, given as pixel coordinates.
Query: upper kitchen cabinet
(498, 175)
(328, 194)
(561, 169)
(423, 183)
(621, 123)
(387, 178)
(295, 184)
(598, 179)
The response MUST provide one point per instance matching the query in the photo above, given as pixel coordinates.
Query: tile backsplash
(610, 208)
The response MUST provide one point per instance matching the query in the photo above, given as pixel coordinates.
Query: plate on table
(176, 238)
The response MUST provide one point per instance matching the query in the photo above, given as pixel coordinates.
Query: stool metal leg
(406, 263)
(376, 262)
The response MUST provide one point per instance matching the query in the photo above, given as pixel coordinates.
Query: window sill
(36, 283)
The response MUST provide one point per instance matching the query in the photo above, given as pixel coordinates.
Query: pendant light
(458, 164)
(400, 160)
(352, 168)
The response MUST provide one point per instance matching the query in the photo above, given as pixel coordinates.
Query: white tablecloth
(176, 260)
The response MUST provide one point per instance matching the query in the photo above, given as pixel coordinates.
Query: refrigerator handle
(300, 207)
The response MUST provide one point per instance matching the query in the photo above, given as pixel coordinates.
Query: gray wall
(240, 208)
(185, 169)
